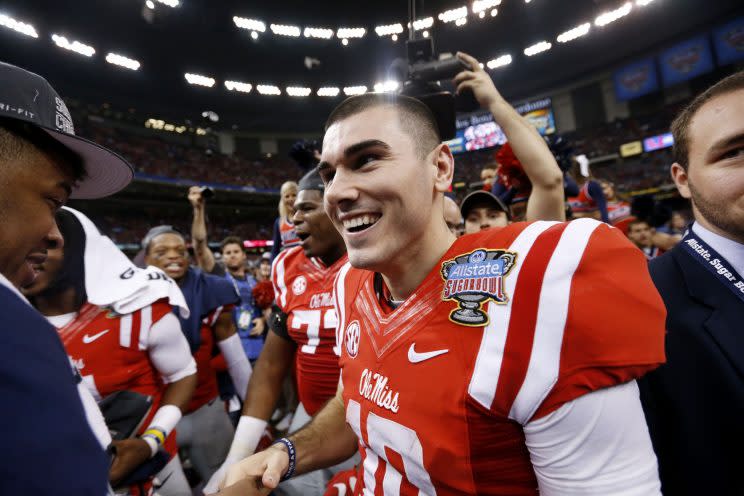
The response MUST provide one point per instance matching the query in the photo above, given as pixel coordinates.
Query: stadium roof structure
(201, 38)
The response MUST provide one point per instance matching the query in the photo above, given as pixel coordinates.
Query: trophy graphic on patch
(474, 278)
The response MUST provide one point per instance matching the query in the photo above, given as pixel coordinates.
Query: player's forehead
(717, 119)
(309, 196)
(167, 241)
(379, 123)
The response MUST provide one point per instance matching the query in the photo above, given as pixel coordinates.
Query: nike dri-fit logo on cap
(89, 339)
(415, 357)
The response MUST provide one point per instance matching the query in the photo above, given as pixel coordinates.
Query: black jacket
(694, 403)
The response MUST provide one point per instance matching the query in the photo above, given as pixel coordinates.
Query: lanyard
(709, 258)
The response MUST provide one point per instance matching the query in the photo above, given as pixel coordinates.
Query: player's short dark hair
(415, 117)
(637, 222)
(18, 137)
(681, 123)
(230, 240)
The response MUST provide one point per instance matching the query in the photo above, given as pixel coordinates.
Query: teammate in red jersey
(618, 211)
(303, 332)
(141, 350)
(500, 363)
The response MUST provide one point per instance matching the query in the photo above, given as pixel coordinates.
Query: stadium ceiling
(202, 38)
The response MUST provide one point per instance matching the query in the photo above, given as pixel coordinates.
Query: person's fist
(265, 469)
(195, 196)
(130, 454)
(476, 80)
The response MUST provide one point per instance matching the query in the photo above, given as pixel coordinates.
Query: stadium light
(425, 34)
(199, 80)
(351, 32)
(328, 91)
(494, 12)
(250, 24)
(238, 86)
(484, 5)
(298, 91)
(643, 3)
(284, 30)
(344, 42)
(386, 86)
(420, 24)
(120, 60)
(150, 4)
(394, 37)
(613, 15)
(499, 61)
(354, 90)
(574, 33)
(322, 33)
(74, 46)
(268, 89)
(453, 15)
(537, 48)
(169, 3)
(389, 29)
(18, 26)
(461, 21)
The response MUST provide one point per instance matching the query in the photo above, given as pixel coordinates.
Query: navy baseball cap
(28, 97)
(481, 197)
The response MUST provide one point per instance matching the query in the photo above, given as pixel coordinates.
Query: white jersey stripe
(542, 371)
(339, 290)
(145, 324)
(491, 353)
(125, 330)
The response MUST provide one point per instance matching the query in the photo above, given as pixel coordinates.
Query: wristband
(152, 443)
(292, 458)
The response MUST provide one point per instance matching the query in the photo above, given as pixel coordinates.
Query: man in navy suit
(695, 402)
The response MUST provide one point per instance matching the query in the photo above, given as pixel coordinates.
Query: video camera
(421, 73)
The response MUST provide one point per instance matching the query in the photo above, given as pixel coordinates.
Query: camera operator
(249, 321)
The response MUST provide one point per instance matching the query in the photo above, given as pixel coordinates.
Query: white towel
(112, 280)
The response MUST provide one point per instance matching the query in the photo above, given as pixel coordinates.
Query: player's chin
(364, 258)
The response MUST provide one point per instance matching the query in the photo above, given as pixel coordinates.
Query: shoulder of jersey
(291, 257)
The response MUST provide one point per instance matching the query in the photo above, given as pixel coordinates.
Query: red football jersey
(511, 324)
(207, 388)
(584, 203)
(619, 213)
(304, 291)
(110, 351)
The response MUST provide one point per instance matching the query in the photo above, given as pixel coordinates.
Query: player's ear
(445, 167)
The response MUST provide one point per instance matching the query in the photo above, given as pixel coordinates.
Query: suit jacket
(694, 403)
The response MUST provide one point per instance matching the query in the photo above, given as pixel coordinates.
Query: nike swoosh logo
(415, 357)
(89, 339)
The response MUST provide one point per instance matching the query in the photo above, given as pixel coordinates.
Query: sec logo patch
(351, 338)
(299, 285)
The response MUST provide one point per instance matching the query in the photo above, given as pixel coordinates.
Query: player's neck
(333, 255)
(239, 272)
(57, 304)
(409, 270)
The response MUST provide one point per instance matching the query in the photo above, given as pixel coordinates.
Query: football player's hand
(245, 487)
(130, 454)
(263, 470)
(195, 197)
(478, 81)
(213, 485)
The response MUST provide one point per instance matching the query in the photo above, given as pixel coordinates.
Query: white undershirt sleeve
(169, 351)
(597, 444)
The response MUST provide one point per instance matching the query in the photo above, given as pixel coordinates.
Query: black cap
(479, 197)
(312, 181)
(28, 97)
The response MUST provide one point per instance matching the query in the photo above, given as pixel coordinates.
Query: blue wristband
(292, 458)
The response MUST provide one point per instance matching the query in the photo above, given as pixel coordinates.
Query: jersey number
(383, 433)
(312, 319)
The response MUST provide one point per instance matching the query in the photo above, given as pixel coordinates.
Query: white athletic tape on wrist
(247, 435)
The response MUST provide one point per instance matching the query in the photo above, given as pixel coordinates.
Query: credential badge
(472, 279)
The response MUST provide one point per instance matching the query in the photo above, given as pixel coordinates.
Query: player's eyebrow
(355, 149)
(725, 143)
